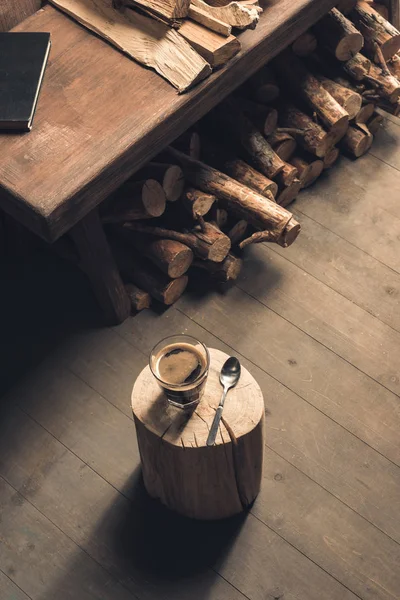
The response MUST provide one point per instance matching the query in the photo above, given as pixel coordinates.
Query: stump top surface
(243, 410)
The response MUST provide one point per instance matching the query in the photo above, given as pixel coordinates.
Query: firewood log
(346, 6)
(139, 298)
(310, 90)
(287, 176)
(338, 35)
(288, 194)
(365, 113)
(216, 49)
(376, 31)
(208, 243)
(349, 100)
(234, 13)
(331, 157)
(204, 18)
(388, 85)
(169, 176)
(169, 10)
(394, 66)
(237, 232)
(358, 67)
(380, 9)
(242, 130)
(189, 143)
(218, 216)
(197, 202)
(312, 137)
(305, 44)
(265, 118)
(147, 277)
(242, 201)
(171, 257)
(308, 167)
(136, 200)
(357, 141)
(223, 272)
(375, 122)
(283, 144)
(263, 86)
(244, 173)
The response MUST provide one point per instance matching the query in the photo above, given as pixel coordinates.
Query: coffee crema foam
(179, 364)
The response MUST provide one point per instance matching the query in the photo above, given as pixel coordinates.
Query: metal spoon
(229, 376)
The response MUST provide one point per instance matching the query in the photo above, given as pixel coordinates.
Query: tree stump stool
(191, 478)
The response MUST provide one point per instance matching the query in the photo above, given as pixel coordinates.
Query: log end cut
(173, 183)
(153, 198)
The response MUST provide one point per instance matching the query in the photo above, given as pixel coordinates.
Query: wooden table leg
(99, 265)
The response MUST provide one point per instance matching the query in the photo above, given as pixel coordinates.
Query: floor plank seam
(384, 162)
(16, 584)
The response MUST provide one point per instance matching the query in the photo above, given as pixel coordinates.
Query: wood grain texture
(149, 41)
(169, 9)
(215, 48)
(13, 12)
(204, 18)
(234, 13)
(91, 143)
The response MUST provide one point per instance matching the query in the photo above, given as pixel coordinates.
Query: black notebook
(23, 59)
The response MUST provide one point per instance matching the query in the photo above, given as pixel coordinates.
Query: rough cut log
(256, 147)
(244, 173)
(223, 272)
(357, 67)
(292, 70)
(204, 18)
(365, 113)
(375, 123)
(357, 141)
(394, 66)
(376, 31)
(198, 203)
(331, 157)
(189, 143)
(219, 216)
(346, 6)
(169, 176)
(216, 49)
(234, 13)
(287, 176)
(381, 9)
(147, 277)
(263, 86)
(305, 44)
(351, 101)
(265, 118)
(208, 243)
(148, 41)
(171, 257)
(388, 85)
(139, 298)
(311, 136)
(309, 169)
(245, 203)
(169, 10)
(237, 232)
(288, 194)
(136, 200)
(338, 35)
(283, 144)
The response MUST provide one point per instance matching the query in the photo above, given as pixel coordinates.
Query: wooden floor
(317, 324)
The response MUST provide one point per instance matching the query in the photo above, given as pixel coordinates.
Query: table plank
(101, 115)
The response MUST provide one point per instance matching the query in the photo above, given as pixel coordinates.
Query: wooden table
(101, 116)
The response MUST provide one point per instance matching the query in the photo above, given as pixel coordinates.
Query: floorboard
(318, 326)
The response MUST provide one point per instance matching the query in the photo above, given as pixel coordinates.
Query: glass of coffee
(180, 364)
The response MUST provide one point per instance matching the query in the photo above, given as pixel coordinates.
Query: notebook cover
(23, 58)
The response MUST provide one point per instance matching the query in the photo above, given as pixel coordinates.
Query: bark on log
(263, 86)
(302, 82)
(237, 232)
(157, 284)
(287, 176)
(208, 244)
(137, 200)
(346, 6)
(242, 130)
(139, 298)
(198, 202)
(357, 67)
(265, 118)
(331, 157)
(283, 144)
(313, 138)
(349, 100)
(171, 257)
(357, 141)
(309, 169)
(305, 44)
(365, 113)
(189, 143)
(169, 176)
(338, 35)
(245, 203)
(388, 85)
(223, 272)
(288, 194)
(374, 123)
(376, 31)
(244, 173)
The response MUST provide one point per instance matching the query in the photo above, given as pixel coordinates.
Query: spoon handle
(215, 424)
